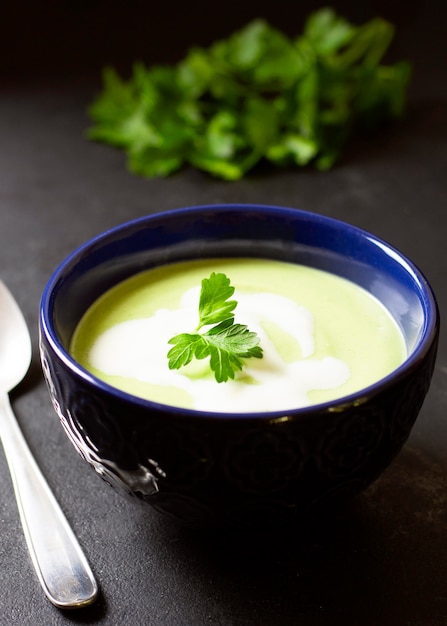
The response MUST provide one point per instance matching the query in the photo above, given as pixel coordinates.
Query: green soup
(323, 336)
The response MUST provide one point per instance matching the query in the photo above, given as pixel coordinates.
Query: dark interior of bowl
(278, 233)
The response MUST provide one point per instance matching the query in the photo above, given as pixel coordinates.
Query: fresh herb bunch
(256, 95)
(226, 343)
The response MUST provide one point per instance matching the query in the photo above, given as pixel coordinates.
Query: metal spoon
(61, 566)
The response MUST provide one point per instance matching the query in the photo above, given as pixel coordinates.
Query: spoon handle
(61, 566)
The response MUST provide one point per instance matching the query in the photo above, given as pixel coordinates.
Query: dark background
(60, 38)
(382, 562)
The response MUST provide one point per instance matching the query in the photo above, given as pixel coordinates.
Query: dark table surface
(383, 560)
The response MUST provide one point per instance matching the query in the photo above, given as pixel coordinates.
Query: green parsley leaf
(213, 305)
(187, 346)
(256, 95)
(226, 344)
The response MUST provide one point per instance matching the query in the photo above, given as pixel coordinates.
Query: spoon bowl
(15, 342)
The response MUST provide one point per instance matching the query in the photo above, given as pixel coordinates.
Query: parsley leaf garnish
(226, 344)
(256, 95)
(213, 305)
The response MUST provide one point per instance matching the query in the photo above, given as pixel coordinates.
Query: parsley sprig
(226, 343)
(257, 95)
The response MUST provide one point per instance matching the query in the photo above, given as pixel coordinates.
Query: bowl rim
(429, 332)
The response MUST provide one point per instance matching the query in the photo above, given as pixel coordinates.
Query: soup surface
(322, 336)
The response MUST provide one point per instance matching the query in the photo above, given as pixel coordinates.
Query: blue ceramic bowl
(238, 469)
